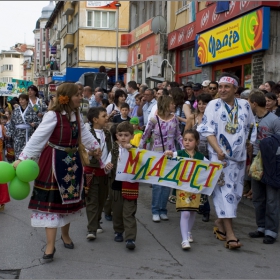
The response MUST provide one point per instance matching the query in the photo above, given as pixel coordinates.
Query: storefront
(144, 63)
(229, 47)
(182, 43)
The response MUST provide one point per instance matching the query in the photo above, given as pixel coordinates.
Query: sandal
(235, 244)
(2, 207)
(219, 235)
(172, 199)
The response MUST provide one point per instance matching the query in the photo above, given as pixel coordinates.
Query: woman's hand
(40, 115)
(16, 163)
(32, 124)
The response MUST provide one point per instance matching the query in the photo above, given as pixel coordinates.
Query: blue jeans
(160, 196)
(265, 201)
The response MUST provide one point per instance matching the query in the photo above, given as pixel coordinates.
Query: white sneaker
(99, 230)
(185, 245)
(163, 217)
(91, 235)
(190, 238)
(156, 218)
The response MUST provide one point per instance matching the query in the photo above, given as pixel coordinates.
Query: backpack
(270, 150)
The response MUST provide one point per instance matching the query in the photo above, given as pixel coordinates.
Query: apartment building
(84, 34)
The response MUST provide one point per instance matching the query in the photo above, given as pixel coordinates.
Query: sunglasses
(212, 88)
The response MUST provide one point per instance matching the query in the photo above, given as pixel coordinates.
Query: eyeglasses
(214, 88)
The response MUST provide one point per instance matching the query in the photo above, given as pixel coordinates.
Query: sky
(17, 22)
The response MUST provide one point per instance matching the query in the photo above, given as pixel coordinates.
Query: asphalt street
(158, 253)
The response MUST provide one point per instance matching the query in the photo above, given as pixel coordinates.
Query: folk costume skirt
(57, 197)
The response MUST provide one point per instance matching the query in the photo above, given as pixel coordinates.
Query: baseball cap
(188, 85)
(206, 83)
(197, 86)
(134, 120)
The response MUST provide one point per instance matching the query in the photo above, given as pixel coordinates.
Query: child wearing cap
(137, 132)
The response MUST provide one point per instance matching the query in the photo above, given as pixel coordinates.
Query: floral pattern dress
(20, 129)
(231, 134)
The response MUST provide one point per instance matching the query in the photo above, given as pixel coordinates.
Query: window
(7, 67)
(43, 58)
(75, 23)
(70, 27)
(99, 19)
(105, 54)
(44, 35)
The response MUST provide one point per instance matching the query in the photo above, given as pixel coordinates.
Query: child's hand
(168, 153)
(109, 166)
(91, 153)
(127, 146)
(97, 153)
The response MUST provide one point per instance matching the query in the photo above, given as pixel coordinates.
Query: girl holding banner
(162, 129)
(186, 202)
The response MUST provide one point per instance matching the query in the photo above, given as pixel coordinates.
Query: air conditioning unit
(153, 65)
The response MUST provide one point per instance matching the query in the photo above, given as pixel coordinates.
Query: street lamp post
(118, 5)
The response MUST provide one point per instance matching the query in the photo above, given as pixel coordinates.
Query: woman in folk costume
(4, 194)
(57, 194)
(22, 124)
(228, 125)
(39, 106)
(9, 142)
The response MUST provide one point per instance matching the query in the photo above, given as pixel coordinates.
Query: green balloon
(19, 190)
(7, 172)
(27, 170)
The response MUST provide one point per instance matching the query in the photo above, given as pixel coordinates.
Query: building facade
(242, 39)
(147, 48)
(84, 34)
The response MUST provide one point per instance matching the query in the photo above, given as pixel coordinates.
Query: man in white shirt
(146, 105)
(132, 92)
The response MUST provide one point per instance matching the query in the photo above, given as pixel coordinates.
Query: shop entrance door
(237, 71)
(240, 67)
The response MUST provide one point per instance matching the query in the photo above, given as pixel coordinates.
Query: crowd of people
(80, 135)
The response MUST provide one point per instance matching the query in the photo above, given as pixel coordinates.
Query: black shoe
(109, 218)
(205, 217)
(130, 244)
(256, 234)
(269, 239)
(49, 256)
(68, 246)
(118, 237)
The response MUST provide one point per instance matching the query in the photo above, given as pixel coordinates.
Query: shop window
(195, 78)
(248, 75)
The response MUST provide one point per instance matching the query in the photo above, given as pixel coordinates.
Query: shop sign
(181, 36)
(141, 31)
(208, 18)
(22, 85)
(8, 89)
(140, 51)
(41, 81)
(102, 4)
(52, 87)
(244, 35)
(58, 76)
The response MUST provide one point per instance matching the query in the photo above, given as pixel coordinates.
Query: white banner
(187, 174)
(8, 89)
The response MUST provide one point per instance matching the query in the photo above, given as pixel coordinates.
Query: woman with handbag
(162, 129)
(57, 197)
